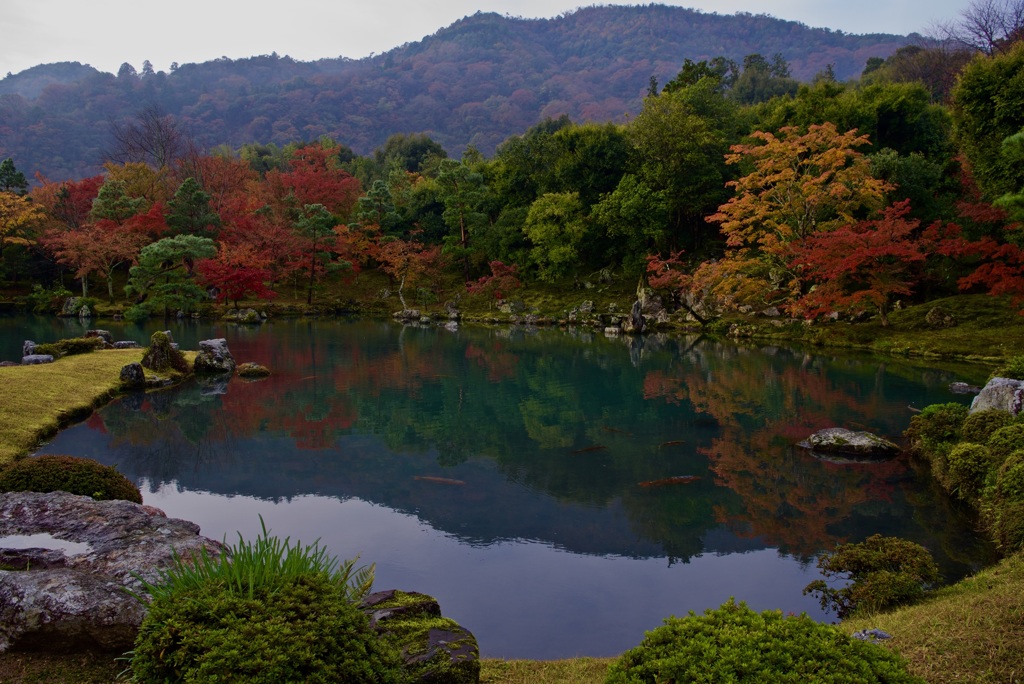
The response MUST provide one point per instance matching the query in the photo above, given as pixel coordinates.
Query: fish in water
(674, 480)
(587, 450)
(438, 480)
(616, 431)
(674, 442)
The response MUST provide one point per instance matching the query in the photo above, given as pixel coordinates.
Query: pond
(523, 477)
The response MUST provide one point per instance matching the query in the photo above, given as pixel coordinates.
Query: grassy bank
(972, 631)
(36, 401)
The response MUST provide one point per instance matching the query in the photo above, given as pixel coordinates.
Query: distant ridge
(475, 82)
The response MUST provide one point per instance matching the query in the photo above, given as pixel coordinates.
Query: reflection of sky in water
(520, 599)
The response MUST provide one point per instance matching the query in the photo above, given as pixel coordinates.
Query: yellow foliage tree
(19, 217)
(802, 183)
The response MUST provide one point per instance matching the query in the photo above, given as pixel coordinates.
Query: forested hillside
(477, 82)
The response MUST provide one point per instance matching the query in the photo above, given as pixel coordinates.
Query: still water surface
(509, 472)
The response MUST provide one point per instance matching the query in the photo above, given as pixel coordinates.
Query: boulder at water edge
(842, 442)
(1004, 394)
(214, 358)
(68, 561)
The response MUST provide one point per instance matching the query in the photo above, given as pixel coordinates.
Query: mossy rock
(434, 648)
(251, 371)
(59, 473)
(161, 355)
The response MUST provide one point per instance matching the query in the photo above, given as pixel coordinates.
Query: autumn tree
(314, 176)
(860, 266)
(238, 272)
(503, 280)
(408, 262)
(19, 218)
(802, 183)
(97, 247)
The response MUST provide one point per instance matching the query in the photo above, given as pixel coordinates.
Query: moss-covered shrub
(938, 424)
(1010, 479)
(979, 426)
(1013, 368)
(265, 611)
(70, 346)
(58, 473)
(736, 644)
(968, 466)
(304, 630)
(884, 572)
(1006, 440)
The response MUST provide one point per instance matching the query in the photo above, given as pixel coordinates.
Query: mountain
(476, 82)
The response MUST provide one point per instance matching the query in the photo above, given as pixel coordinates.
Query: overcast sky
(106, 33)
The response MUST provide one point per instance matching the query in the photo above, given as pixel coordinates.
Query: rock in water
(64, 588)
(214, 357)
(848, 443)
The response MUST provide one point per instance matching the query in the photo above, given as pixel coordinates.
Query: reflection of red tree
(791, 499)
(498, 363)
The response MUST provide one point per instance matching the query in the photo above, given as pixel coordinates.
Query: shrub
(267, 611)
(70, 346)
(1010, 479)
(735, 644)
(1006, 440)
(303, 630)
(1013, 368)
(968, 467)
(979, 426)
(57, 473)
(885, 572)
(936, 424)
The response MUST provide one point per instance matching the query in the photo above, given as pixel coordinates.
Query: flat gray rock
(843, 442)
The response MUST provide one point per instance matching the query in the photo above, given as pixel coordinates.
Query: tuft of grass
(250, 567)
(36, 401)
(972, 631)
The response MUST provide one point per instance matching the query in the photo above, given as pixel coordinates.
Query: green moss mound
(884, 572)
(736, 644)
(979, 426)
(70, 346)
(968, 467)
(58, 473)
(252, 370)
(1006, 440)
(936, 425)
(303, 630)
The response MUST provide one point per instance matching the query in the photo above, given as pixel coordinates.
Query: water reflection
(502, 470)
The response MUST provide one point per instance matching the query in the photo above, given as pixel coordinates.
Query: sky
(107, 33)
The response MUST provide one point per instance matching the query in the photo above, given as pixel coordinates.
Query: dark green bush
(968, 466)
(979, 426)
(935, 425)
(70, 346)
(735, 644)
(885, 572)
(1013, 368)
(304, 630)
(57, 473)
(1006, 440)
(265, 611)
(1010, 479)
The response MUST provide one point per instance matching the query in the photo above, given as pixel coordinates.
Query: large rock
(133, 376)
(436, 650)
(75, 561)
(1004, 394)
(843, 442)
(36, 359)
(214, 358)
(163, 354)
